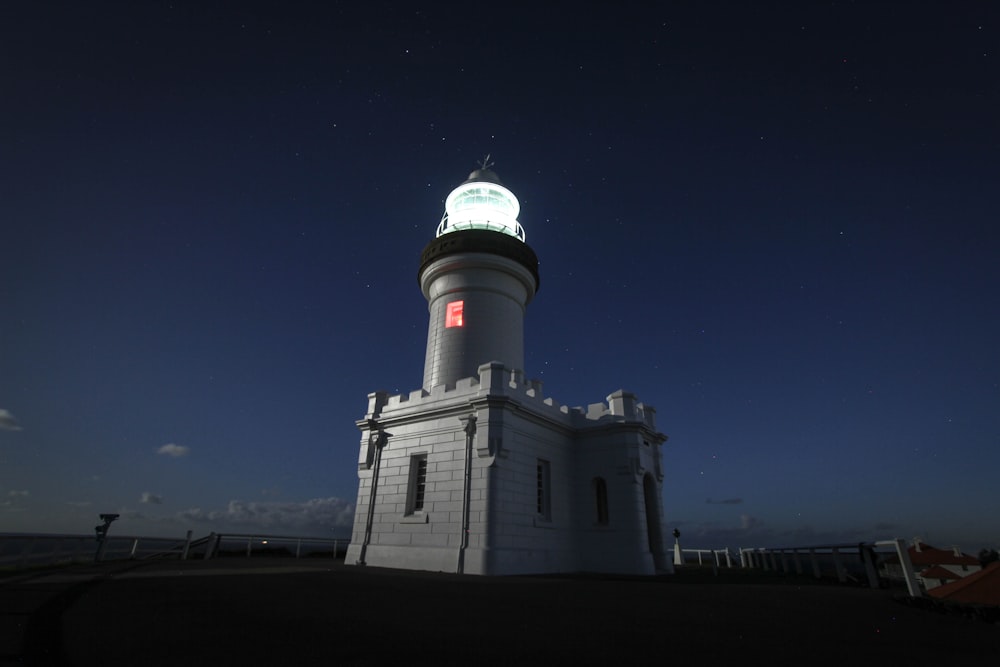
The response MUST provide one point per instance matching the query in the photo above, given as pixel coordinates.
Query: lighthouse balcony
(493, 224)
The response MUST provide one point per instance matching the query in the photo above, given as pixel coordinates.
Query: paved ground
(282, 611)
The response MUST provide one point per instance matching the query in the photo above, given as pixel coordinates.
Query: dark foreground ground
(283, 611)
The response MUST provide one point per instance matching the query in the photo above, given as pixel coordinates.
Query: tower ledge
(480, 241)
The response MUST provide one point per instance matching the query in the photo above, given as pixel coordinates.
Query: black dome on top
(483, 176)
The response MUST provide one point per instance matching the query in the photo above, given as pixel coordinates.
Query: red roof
(938, 572)
(981, 587)
(929, 555)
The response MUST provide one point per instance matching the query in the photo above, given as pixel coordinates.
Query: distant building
(934, 567)
(982, 587)
(478, 471)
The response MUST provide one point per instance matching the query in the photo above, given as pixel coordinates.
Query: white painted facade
(478, 472)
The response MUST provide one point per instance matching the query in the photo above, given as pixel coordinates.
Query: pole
(102, 535)
(470, 435)
(378, 438)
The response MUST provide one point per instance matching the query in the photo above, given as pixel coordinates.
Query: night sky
(774, 222)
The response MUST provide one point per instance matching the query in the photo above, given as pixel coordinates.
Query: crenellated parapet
(495, 381)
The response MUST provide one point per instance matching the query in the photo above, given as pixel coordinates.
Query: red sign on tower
(453, 315)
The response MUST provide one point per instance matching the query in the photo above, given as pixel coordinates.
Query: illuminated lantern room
(478, 275)
(482, 202)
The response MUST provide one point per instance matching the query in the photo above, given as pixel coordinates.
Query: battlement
(495, 380)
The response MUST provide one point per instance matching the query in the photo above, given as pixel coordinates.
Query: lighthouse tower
(477, 471)
(477, 276)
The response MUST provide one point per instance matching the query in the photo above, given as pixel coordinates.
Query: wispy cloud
(7, 421)
(148, 498)
(727, 501)
(173, 450)
(316, 515)
(11, 503)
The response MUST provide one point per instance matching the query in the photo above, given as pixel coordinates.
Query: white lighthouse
(477, 276)
(478, 471)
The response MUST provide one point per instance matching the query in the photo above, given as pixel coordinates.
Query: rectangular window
(544, 486)
(453, 314)
(418, 484)
(601, 495)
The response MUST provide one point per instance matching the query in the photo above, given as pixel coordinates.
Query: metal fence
(228, 544)
(858, 561)
(18, 551)
(714, 557)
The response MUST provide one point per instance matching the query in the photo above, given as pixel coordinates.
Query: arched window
(601, 496)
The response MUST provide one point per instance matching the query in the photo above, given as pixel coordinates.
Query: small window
(453, 314)
(544, 495)
(418, 483)
(601, 497)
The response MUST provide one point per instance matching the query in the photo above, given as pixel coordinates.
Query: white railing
(784, 559)
(714, 557)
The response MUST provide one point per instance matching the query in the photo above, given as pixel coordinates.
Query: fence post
(841, 574)
(135, 547)
(187, 546)
(210, 544)
(298, 547)
(912, 584)
(249, 545)
(817, 573)
(868, 556)
(101, 546)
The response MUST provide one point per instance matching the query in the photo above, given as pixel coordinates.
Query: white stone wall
(623, 461)
(428, 539)
(516, 427)
(523, 540)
